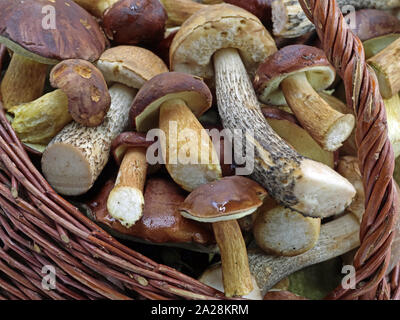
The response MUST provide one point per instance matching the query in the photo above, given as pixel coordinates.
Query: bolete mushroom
(233, 38)
(161, 222)
(129, 22)
(82, 96)
(375, 28)
(221, 203)
(172, 102)
(281, 231)
(292, 76)
(125, 202)
(75, 157)
(36, 43)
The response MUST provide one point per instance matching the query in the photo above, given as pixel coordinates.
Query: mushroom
(173, 101)
(125, 202)
(221, 203)
(375, 28)
(336, 238)
(35, 47)
(74, 159)
(82, 96)
(290, 21)
(281, 231)
(180, 10)
(292, 76)
(129, 22)
(212, 277)
(387, 68)
(299, 183)
(161, 222)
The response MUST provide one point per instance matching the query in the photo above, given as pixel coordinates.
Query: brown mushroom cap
(161, 221)
(289, 61)
(135, 22)
(130, 65)
(127, 140)
(145, 108)
(216, 27)
(229, 198)
(86, 89)
(77, 34)
(372, 23)
(260, 8)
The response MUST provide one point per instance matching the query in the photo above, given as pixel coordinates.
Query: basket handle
(375, 153)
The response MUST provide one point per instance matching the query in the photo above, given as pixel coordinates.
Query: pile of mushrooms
(126, 103)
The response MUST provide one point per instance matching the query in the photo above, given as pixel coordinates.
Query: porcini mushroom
(292, 76)
(281, 231)
(125, 202)
(34, 46)
(129, 22)
(75, 157)
(172, 102)
(82, 96)
(221, 203)
(291, 179)
(161, 222)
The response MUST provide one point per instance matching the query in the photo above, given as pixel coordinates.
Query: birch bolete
(129, 22)
(290, 21)
(234, 40)
(172, 102)
(74, 159)
(36, 47)
(221, 203)
(293, 76)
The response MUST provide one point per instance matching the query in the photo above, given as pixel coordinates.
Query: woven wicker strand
(376, 159)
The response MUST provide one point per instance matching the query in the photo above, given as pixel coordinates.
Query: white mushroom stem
(329, 127)
(76, 156)
(23, 81)
(299, 183)
(235, 265)
(336, 238)
(189, 154)
(125, 202)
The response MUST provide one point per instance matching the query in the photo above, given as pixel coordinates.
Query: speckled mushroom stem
(86, 149)
(329, 127)
(23, 81)
(290, 178)
(235, 264)
(290, 21)
(191, 158)
(387, 68)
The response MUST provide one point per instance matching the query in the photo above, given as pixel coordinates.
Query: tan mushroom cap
(86, 89)
(130, 65)
(229, 198)
(289, 61)
(214, 28)
(145, 108)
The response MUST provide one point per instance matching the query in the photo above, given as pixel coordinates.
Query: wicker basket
(39, 228)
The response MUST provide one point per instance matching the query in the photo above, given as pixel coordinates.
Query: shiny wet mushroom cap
(229, 198)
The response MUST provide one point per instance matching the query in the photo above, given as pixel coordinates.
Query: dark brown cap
(145, 108)
(370, 23)
(135, 22)
(288, 61)
(229, 198)
(128, 140)
(161, 221)
(86, 89)
(76, 35)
